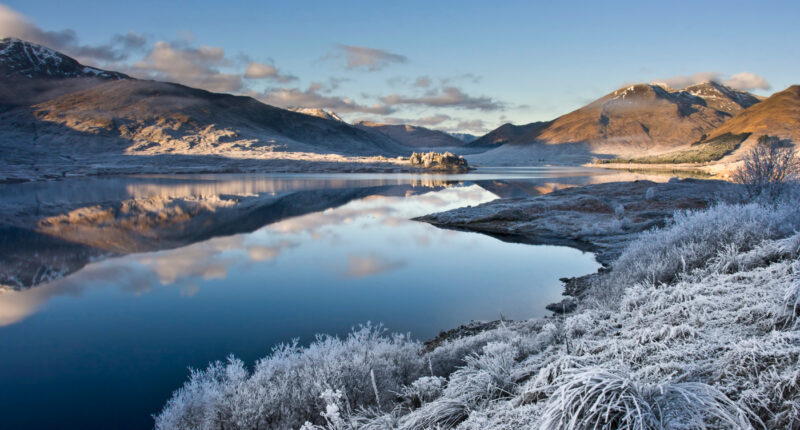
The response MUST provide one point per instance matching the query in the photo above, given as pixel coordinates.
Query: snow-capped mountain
(58, 113)
(319, 113)
(25, 59)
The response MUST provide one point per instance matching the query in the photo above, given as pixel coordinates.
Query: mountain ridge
(413, 136)
(58, 116)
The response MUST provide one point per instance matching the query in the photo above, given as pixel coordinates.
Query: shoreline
(505, 219)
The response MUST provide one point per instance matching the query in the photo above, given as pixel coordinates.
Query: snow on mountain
(26, 59)
(319, 113)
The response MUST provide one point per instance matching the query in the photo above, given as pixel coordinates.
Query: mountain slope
(166, 117)
(464, 137)
(778, 115)
(413, 136)
(640, 117)
(19, 58)
(506, 133)
(638, 120)
(58, 116)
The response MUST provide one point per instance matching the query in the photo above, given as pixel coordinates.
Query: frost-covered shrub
(423, 390)
(768, 168)
(486, 376)
(595, 398)
(579, 324)
(452, 354)
(729, 259)
(695, 237)
(284, 389)
(791, 298)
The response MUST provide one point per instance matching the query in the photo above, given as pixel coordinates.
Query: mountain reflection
(293, 220)
(53, 229)
(183, 231)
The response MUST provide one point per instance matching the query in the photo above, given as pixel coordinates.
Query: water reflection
(115, 285)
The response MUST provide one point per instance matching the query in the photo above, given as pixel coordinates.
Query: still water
(113, 287)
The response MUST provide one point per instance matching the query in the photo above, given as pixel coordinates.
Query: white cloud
(14, 24)
(312, 97)
(744, 81)
(195, 67)
(446, 97)
(266, 71)
(685, 81)
(422, 82)
(747, 81)
(361, 57)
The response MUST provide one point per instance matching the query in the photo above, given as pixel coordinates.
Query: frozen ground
(601, 217)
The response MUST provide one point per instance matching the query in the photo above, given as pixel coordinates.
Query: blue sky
(464, 65)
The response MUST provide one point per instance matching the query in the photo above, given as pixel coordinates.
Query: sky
(459, 66)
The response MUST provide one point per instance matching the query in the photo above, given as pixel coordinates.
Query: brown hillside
(646, 118)
(778, 115)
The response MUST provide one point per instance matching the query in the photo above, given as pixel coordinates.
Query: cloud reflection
(361, 266)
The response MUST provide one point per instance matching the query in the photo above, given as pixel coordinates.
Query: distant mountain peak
(712, 89)
(27, 59)
(318, 112)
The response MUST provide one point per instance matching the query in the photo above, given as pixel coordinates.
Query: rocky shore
(600, 218)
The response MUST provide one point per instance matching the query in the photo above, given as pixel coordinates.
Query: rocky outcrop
(438, 161)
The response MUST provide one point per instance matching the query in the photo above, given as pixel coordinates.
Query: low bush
(699, 152)
(769, 168)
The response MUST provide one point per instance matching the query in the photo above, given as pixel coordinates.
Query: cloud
(195, 67)
(427, 121)
(422, 82)
(359, 266)
(473, 125)
(744, 81)
(446, 97)
(14, 24)
(131, 41)
(266, 71)
(432, 120)
(685, 81)
(361, 57)
(440, 122)
(747, 81)
(313, 97)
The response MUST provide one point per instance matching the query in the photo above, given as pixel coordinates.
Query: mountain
(640, 119)
(506, 133)
(778, 115)
(722, 98)
(319, 113)
(413, 136)
(19, 58)
(31, 73)
(60, 117)
(464, 137)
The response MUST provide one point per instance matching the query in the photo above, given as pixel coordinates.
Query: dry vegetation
(704, 151)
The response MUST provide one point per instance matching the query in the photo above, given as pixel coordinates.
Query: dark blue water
(114, 287)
